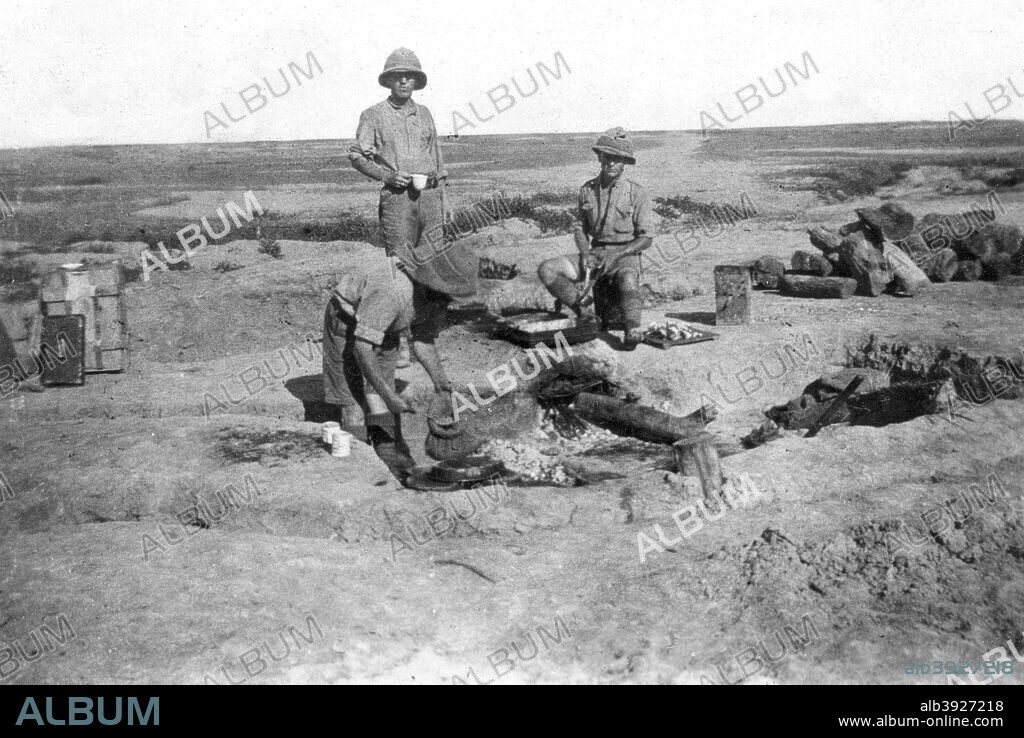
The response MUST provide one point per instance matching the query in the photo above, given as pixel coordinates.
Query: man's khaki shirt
(615, 215)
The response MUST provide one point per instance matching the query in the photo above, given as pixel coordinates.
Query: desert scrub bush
(172, 198)
(131, 273)
(270, 247)
(227, 266)
(994, 177)
(563, 197)
(97, 248)
(841, 181)
(346, 227)
(552, 220)
(673, 208)
(185, 265)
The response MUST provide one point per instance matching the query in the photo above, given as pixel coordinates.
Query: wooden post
(732, 295)
(696, 456)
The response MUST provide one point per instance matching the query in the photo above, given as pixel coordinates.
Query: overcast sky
(136, 71)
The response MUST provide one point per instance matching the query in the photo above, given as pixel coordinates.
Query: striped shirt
(379, 295)
(399, 139)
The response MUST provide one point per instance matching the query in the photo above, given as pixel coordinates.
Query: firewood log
(636, 421)
(825, 240)
(865, 263)
(943, 265)
(909, 277)
(996, 266)
(818, 287)
(968, 270)
(813, 264)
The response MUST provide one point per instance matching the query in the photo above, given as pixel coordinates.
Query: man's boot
(384, 432)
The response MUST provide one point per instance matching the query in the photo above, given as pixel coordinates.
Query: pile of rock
(887, 250)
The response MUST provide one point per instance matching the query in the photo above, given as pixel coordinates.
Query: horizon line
(443, 137)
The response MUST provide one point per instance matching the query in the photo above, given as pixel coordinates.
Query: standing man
(616, 216)
(396, 144)
(395, 141)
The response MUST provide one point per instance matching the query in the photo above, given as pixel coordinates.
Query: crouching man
(382, 295)
(616, 216)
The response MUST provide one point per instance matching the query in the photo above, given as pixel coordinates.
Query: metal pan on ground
(529, 333)
(470, 470)
(420, 479)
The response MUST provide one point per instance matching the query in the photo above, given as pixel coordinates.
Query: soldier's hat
(403, 60)
(614, 142)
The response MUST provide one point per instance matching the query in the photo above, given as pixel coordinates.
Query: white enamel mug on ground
(328, 430)
(341, 444)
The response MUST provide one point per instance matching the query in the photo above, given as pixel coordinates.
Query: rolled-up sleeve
(366, 145)
(643, 220)
(376, 312)
(581, 213)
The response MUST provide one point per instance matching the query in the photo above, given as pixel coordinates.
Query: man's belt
(432, 183)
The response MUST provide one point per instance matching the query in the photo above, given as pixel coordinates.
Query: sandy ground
(331, 559)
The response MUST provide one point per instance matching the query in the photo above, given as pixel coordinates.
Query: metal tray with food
(671, 333)
(529, 334)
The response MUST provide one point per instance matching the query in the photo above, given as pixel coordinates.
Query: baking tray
(519, 334)
(664, 343)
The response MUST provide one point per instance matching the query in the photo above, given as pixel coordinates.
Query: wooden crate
(732, 295)
(95, 292)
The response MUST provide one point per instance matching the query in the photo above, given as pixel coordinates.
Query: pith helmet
(403, 60)
(614, 142)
